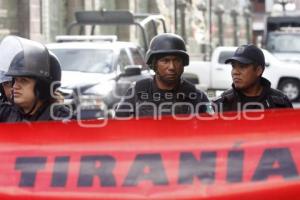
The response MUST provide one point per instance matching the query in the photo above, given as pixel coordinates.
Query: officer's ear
(259, 70)
(153, 64)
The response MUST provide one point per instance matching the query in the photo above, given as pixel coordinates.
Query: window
(123, 60)
(85, 60)
(138, 58)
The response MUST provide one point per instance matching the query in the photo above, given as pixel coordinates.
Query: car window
(85, 60)
(224, 55)
(138, 58)
(123, 60)
(284, 42)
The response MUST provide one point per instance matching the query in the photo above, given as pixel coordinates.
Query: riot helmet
(21, 57)
(27, 58)
(45, 89)
(165, 44)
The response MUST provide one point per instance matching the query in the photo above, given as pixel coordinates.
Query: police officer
(36, 74)
(5, 88)
(166, 93)
(249, 89)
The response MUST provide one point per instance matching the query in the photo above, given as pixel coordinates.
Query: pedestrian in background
(5, 88)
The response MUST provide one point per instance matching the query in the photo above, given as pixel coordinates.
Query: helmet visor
(22, 57)
(9, 48)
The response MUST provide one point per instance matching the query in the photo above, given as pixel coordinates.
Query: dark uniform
(234, 100)
(248, 64)
(11, 113)
(145, 99)
(30, 59)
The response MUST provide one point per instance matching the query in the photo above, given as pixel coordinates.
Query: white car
(99, 72)
(216, 75)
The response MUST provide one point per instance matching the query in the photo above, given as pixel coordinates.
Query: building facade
(202, 23)
(263, 8)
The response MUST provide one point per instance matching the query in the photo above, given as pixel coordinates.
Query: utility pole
(247, 16)
(175, 16)
(210, 26)
(234, 13)
(182, 7)
(219, 12)
(202, 7)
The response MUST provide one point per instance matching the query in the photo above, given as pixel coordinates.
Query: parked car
(285, 46)
(215, 75)
(96, 74)
(281, 35)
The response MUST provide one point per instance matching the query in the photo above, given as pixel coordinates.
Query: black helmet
(22, 57)
(55, 70)
(45, 89)
(167, 43)
(27, 58)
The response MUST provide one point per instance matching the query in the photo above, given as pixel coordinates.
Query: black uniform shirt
(234, 100)
(11, 113)
(146, 99)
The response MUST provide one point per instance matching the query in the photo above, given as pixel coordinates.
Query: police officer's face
(169, 68)
(7, 86)
(23, 92)
(244, 76)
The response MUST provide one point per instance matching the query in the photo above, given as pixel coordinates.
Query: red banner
(235, 156)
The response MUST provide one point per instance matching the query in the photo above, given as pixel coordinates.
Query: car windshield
(283, 43)
(85, 60)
